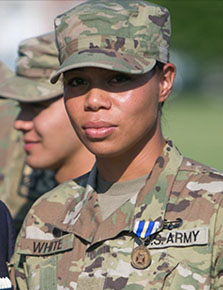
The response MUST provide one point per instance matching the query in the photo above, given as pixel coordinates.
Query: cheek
(139, 104)
(74, 110)
(41, 124)
(66, 129)
(50, 123)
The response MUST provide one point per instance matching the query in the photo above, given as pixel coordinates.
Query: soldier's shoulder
(201, 176)
(196, 167)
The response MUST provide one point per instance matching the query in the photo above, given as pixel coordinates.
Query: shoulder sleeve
(218, 250)
(16, 270)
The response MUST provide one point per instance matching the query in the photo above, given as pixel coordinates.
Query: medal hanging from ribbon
(140, 256)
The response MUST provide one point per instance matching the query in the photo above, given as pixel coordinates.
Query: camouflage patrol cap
(122, 35)
(5, 72)
(37, 61)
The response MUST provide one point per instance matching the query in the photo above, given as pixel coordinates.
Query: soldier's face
(113, 112)
(49, 139)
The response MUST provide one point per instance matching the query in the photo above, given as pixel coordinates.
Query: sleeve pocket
(40, 260)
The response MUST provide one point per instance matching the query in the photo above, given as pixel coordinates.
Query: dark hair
(159, 65)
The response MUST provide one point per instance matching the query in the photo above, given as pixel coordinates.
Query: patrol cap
(5, 72)
(37, 61)
(122, 35)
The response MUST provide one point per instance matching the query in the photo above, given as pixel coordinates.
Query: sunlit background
(193, 116)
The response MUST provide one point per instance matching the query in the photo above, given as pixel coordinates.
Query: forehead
(95, 71)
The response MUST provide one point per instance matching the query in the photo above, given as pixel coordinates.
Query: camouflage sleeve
(16, 270)
(218, 250)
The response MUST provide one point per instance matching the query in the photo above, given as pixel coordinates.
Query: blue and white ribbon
(144, 229)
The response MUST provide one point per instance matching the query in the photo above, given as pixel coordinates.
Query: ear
(167, 77)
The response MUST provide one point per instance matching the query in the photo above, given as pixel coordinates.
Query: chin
(38, 164)
(104, 153)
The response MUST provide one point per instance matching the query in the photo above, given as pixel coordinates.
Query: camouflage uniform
(12, 155)
(64, 244)
(8, 113)
(10, 139)
(21, 185)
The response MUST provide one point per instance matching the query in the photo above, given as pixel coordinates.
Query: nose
(23, 123)
(97, 99)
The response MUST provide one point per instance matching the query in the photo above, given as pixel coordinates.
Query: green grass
(196, 127)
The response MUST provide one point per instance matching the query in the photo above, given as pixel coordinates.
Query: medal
(140, 257)
(144, 230)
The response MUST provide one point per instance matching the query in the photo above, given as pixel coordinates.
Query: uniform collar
(84, 218)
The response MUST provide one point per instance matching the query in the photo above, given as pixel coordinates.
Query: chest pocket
(192, 252)
(179, 260)
(40, 260)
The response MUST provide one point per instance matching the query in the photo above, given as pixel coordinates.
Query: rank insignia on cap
(144, 229)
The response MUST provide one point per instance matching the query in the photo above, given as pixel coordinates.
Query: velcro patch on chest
(180, 238)
(37, 247)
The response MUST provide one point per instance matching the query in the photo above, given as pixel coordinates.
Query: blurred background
(193, 115)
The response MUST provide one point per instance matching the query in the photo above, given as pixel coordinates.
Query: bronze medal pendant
(141, 258)
(143, 230)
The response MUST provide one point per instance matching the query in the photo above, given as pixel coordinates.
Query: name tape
(45, 247)
(180, 238)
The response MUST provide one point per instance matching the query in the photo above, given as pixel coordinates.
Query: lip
(98, 130)
(28, 144)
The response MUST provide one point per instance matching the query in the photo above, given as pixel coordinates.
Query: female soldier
(144, 217)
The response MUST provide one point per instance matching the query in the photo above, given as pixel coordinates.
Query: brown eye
(75, 82)
(120, 78)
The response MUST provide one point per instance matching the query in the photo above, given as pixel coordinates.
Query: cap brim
(107, 60)
(29, 90)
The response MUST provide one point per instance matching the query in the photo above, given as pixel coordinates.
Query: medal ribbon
(144, 229)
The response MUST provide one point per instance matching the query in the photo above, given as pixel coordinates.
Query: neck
(74, 167)
(137, 162)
